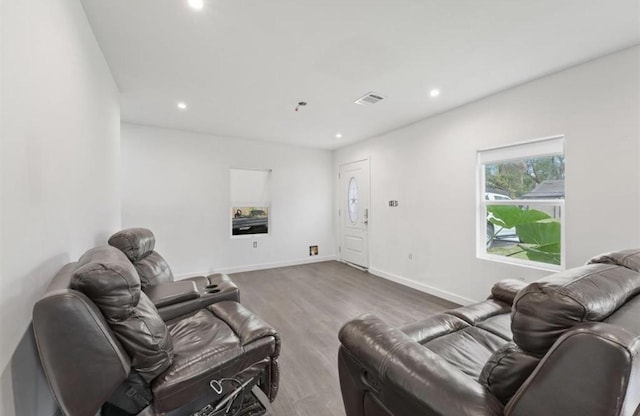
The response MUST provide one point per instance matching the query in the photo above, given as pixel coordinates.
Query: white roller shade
(250, 187)
(528, 150)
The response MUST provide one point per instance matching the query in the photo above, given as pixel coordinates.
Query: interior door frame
(340, 214)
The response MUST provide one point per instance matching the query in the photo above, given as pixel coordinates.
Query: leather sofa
(104, 347)
(566, 345)
(172, 298)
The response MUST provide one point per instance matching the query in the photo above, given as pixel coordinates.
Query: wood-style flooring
(308, 305)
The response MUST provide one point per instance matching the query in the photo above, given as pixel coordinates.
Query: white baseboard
(261, 266)
(452, 297)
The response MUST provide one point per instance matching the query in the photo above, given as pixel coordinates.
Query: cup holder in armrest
(212, 290)
(212, 286)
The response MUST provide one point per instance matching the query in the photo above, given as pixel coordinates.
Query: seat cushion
(467, 336)
(481, 311)
(208, 347)
(499, 325)
(467, 349)
(434, 326)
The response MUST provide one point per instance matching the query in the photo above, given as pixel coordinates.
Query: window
(250, 201)
(521, 203)
(352, 197)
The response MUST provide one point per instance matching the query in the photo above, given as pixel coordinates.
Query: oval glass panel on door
(352, 198)
(354, 213)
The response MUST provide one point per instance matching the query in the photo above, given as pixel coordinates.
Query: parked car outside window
(504, 234)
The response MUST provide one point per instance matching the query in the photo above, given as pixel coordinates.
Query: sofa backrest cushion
(146, 339)
(153, 270)
(626, 258)
(507, 289)
(109, 279)
(546, 309)
(136, 243)
(506, 370)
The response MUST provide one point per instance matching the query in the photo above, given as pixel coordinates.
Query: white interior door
(354, 213)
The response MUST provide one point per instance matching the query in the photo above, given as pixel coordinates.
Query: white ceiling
(242, 65)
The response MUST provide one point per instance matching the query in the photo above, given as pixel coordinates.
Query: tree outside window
(521, 203)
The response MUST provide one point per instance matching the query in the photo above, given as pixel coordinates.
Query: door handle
(366, 216)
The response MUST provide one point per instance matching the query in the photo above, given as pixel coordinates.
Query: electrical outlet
(410, 256)
(255, 244)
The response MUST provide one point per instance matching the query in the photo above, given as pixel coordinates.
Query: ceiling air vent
(369, 98)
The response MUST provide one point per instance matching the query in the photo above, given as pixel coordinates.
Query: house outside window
(521, 196)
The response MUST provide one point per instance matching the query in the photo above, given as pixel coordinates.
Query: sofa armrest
(407, 378)
(208, 290)
(592, 370)
(170, 293)
(247, 326)
(506, 290)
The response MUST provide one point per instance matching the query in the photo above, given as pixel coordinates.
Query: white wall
(177, 184)
(60, 171)
(430, 168)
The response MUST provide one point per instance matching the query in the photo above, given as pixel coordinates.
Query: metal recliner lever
(229, 398)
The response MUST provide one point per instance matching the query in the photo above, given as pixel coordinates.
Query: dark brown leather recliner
(104, 347)
(171, 298)
(566, 345)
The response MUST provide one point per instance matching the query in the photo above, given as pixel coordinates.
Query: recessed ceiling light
(182, 105)
(196, 4)
(434, 92)
(338, 135)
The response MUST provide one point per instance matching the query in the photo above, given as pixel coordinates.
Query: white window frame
(517, 151)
